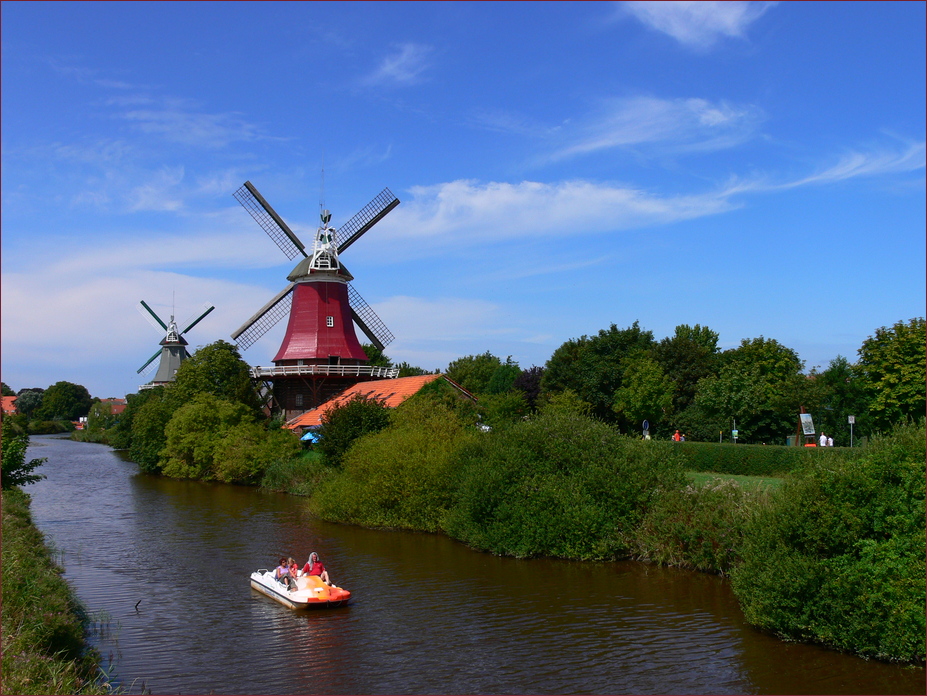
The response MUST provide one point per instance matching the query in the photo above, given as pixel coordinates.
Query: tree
(195, 431)
(29, 401)
(375, 356)
(148, 423)
(5, 390)
(688, 356)
(834, 394)
(892, 368)
(529, 382)
(16, 471)
(100, 416)
(592, 367)
(243, 454)
(504, 377)
(473, 372)
(343, 425)
(407, 370)
(215, 369)
(759, 387)
(64, 401)
(646, 393)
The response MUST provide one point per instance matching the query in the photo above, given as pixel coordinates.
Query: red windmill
(320, 355)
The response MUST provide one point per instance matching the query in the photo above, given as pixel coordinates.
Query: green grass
(44, 626)
(752, 483)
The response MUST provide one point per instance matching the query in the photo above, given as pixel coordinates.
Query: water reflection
(169, 561)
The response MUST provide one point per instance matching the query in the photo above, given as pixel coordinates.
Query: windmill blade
(368, 321)
(265, 319)
(151, 315)
(267, 218)
(187, 353)
(197, 320)
(368, 216)
(150, 360)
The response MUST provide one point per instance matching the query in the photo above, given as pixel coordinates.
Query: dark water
(164, 565)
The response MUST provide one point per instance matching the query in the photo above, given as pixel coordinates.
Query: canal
(163, 567)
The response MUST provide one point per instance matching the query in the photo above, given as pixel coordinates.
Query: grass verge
(43, 624)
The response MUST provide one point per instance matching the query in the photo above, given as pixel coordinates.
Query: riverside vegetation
(44, 625)
(551, 470)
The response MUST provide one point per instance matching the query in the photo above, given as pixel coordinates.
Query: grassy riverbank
(44, 626)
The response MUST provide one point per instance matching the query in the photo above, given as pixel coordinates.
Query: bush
(401, 477)
(16, 471)
(343, 425)
(700, 527)
(838, 557)
(300, 475)
(560, 485)
(248, 449)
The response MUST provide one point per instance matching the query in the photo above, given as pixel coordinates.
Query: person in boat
(282, 574)
(294, 568)
(314, 567)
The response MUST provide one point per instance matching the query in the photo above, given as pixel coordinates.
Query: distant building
(9, 405)
(116, 406)
(390, 392)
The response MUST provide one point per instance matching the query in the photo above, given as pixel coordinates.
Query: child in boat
(314, 567)
(282, 574)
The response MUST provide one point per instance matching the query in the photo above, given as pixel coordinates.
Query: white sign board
(852, 420)
(807, 427)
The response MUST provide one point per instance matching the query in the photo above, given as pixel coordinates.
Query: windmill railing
(259, 372)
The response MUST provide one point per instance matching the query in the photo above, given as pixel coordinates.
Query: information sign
(852, 420)
(807, 427)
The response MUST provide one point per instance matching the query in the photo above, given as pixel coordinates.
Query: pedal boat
(310, 592)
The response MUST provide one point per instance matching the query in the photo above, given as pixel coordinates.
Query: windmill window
(299, 401)
(329, 322)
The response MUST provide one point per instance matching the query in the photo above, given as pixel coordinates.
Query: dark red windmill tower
(320, 355)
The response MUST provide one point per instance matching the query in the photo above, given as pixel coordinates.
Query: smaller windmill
(173, 349)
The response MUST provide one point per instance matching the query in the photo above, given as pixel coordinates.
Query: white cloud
(178, 121)
(698, 24)
(676, 125)
(468, 212)
(405, 66)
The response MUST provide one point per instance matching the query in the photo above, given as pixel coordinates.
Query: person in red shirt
(314, 567)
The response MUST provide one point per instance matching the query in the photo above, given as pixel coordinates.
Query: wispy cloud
(464, 212)
(676, 125)
(698, 24)
(406, 65)
(179, 121)
(853, 164)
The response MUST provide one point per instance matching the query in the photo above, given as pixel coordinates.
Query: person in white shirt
(823, 441)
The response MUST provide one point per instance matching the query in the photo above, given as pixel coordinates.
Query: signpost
(852, 420)
(646, 426)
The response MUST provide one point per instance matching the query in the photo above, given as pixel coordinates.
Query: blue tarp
(310, 436)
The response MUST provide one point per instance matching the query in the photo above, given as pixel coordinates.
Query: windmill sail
(270, 222)
(265, 318)
(368, 321)
(368, 216)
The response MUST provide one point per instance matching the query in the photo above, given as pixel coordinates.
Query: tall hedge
(838, 557)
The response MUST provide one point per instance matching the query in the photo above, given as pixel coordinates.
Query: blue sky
(757, 168)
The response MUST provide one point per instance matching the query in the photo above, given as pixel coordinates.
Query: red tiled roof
(391, 392)
(9, 404)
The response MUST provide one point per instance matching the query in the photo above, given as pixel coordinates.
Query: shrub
(401, 477)
(248, 449)
(838, 557)
(16, 471)
(300, 475)
(700, 527)
(196, 431)
(343, 425)
(562, 485)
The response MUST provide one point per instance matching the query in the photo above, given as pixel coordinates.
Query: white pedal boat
(310, 592)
